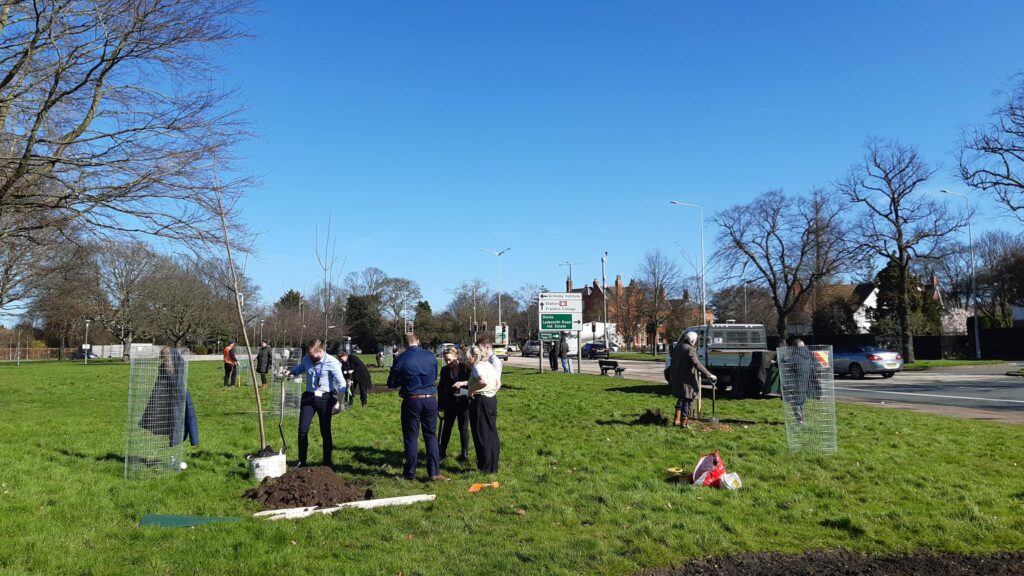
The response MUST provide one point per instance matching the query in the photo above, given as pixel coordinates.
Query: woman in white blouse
(483, 409)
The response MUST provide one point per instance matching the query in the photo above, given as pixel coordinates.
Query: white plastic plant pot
(731, 482)
(267, 467)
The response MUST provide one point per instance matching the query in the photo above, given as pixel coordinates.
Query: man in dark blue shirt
(414, 373)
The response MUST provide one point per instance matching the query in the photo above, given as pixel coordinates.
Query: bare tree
(399, 296)
(66, 295)
(327, 292)
(467, 305)
(898, 223)
(124, 268)
(108, 118)
(991, 157)
(526, 320)
(787, 245)
(659, 280)
(179, 305)
(19, 266)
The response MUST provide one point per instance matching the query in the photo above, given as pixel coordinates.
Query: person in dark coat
(357, 375)
(454, 405)
(553, 355)
(264, 362)
(684, 378)
(414, 373)
(807, 383)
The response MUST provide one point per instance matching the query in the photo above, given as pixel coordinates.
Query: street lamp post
(974, 288)
(261, 331)
(746, 317)
(604, 294)
(569, 264)
(703, 290)
(86, 355)
(498, 254)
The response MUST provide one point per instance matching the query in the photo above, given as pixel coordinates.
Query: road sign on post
(501, 334)
(409, 326)
(560, 311)
(550, 336)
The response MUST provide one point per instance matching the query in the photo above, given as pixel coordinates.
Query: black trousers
(420, 414)
(456, 411)
(554, 362)
(230, 374)
(483, 417)
(364, 390)
(321, 406)
(263, 378)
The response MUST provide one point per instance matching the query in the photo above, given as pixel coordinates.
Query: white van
(725, 348)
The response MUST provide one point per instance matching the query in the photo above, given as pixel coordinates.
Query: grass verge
(927, 364)
(583, 490)
(637, 356)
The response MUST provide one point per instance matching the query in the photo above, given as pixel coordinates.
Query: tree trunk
(782, 327)
(126, 348)
(903, 316)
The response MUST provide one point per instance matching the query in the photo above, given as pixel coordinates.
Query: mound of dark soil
(654, 417)
(312, 486)
(845, 563)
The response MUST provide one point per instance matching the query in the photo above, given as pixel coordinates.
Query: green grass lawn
(637, 356)
(926, 364)
(584, 490)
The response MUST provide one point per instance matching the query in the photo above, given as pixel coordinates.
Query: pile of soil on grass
(312, 486)
(654, 417)
(845, 563)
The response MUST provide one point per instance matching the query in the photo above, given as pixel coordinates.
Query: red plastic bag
(709, 470)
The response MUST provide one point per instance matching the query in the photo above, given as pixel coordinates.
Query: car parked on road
(80, 355)
(532, 348)
(856, 361)
(594, 350)
(441, 347)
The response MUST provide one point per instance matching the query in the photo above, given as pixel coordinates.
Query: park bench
(608, 365)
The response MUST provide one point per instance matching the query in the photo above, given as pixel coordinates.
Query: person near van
(325, 387)
(684, 378)
(264, 362)
(563, 354)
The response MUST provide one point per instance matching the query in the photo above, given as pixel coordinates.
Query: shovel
(478, 487)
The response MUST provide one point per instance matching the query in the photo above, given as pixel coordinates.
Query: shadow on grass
(108, 457)
(379, 462)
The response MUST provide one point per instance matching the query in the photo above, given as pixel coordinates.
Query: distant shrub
(201, 350)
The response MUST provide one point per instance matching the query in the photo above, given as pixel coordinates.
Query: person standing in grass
(325, 386)
(454, 402)
(552, 355)
(483, 410)
(684, 378)
(230, 365)
(486, 344)
(413, 373)
(356, 373)
(264, 362)
(563, 354)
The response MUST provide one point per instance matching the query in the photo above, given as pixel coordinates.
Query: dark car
(594, 350)
(856, 361)
(80, 355)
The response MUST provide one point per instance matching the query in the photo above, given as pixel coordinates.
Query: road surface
(981, 392)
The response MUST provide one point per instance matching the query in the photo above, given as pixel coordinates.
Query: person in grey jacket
(264, 363)
(563, 354)
(684, 378)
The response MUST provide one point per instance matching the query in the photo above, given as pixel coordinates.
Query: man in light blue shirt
(325, 387)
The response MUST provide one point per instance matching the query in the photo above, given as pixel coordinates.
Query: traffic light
(476, 327)
(485, 325)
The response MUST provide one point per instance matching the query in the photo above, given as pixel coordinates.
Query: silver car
(856, 361)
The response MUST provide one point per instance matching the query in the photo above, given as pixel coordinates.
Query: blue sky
(429, 130)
